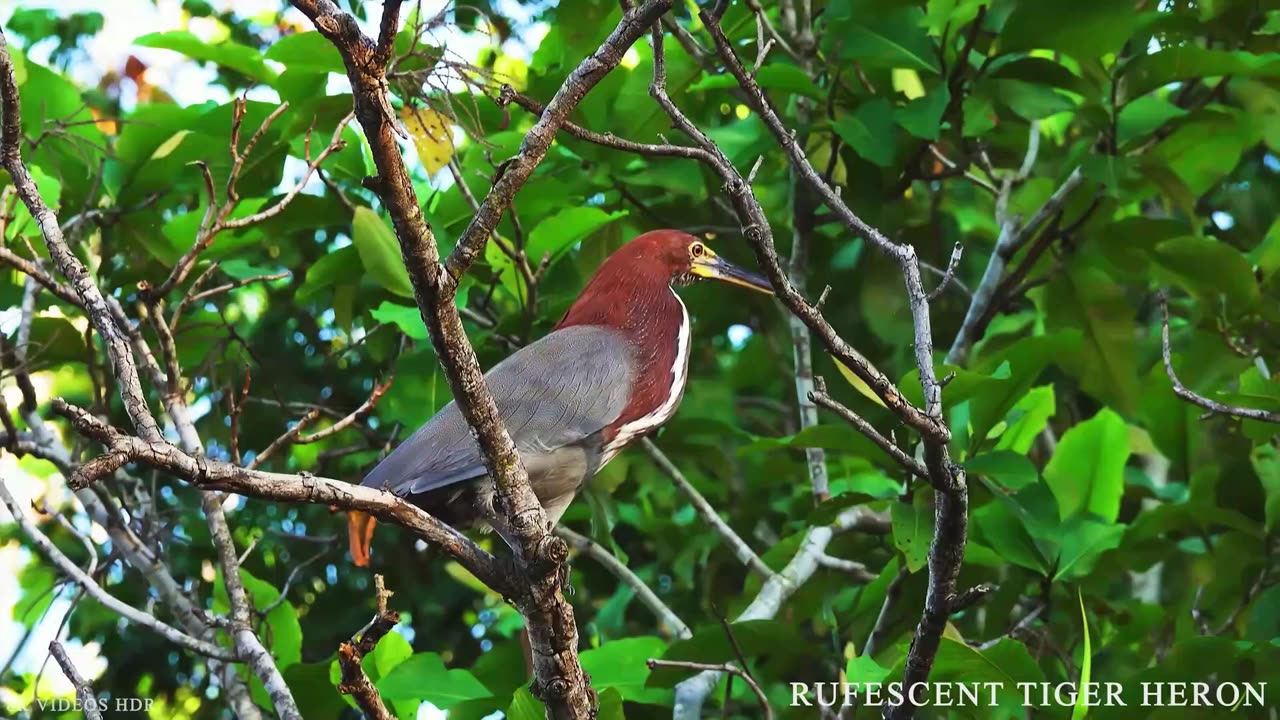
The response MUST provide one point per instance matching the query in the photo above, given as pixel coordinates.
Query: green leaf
(1209, 268)
(226, 53)
(1087, 298)
(1266, 463)
(941, 15)
(611, 707)
(390, 651)
(331, 268)
(423, 676)
(863, 669)
(1084, 29)
(405, 317)
(880, 35)
(1028, 418)
(1083, 541)
(1011, 469)
(913, 529)
(1266, 254)
(1144, 116)
(1115, 173)
(36, 585)
(561, 231)
(922, 116)
(1029, 100)
(307, 51)
(1184, 62)
(1007, 663)
(1012, 371)
(379, 252)
(524, 706)
(621, 665)
(1081, 708)
(773, 76)
(1086, 472)
(1004, 530)
(869, 131)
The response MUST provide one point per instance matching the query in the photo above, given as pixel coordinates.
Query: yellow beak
(710, 265)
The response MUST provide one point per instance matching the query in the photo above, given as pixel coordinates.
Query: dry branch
(84, 693)
(351, 653)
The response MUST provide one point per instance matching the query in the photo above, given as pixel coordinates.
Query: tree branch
(214, 475)
(595, 551)
(51, 553)
(1191, 396)
(350, 654)
(735, 542)
(84, 693)
(691, 694)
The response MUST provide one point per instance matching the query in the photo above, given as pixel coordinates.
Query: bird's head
(680, 259)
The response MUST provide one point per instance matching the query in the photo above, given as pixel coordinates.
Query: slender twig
(597, 552)
(1195, 398)
(735, 542)
(908, 463)
(84, 693)
(55, 556)
(354, 681)
(719, 670)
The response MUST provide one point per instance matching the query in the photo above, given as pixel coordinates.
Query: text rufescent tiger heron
(613, 370)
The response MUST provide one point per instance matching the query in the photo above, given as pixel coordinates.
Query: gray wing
(555, 392)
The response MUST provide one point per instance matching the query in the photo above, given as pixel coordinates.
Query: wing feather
(555, 392)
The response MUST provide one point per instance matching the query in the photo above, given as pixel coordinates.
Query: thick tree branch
(214, 475)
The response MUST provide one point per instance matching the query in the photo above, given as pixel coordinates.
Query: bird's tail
(360, 532)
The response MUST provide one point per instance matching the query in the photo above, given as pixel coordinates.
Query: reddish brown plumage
(632, 292)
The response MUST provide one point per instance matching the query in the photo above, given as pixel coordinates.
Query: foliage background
(1089, 478)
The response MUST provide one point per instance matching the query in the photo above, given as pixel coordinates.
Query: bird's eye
(697, 249)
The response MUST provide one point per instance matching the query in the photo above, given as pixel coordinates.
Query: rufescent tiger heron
(613, 370)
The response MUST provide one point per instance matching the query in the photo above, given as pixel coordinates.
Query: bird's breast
(660, 382)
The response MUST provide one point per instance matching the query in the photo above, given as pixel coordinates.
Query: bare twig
(595, 551)
(51, 553)
(1191, 396)
(735, 542)
(350, 654)
(767, 711)
(910, 464)
(950, 272)
(84, 693)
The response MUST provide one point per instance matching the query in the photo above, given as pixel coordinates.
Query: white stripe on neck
(679, 376)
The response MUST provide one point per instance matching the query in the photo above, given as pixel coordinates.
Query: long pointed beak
(715, 267)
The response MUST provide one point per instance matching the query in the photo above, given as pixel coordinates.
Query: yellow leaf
(431, 136)
(858, 384)
(908, 83)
